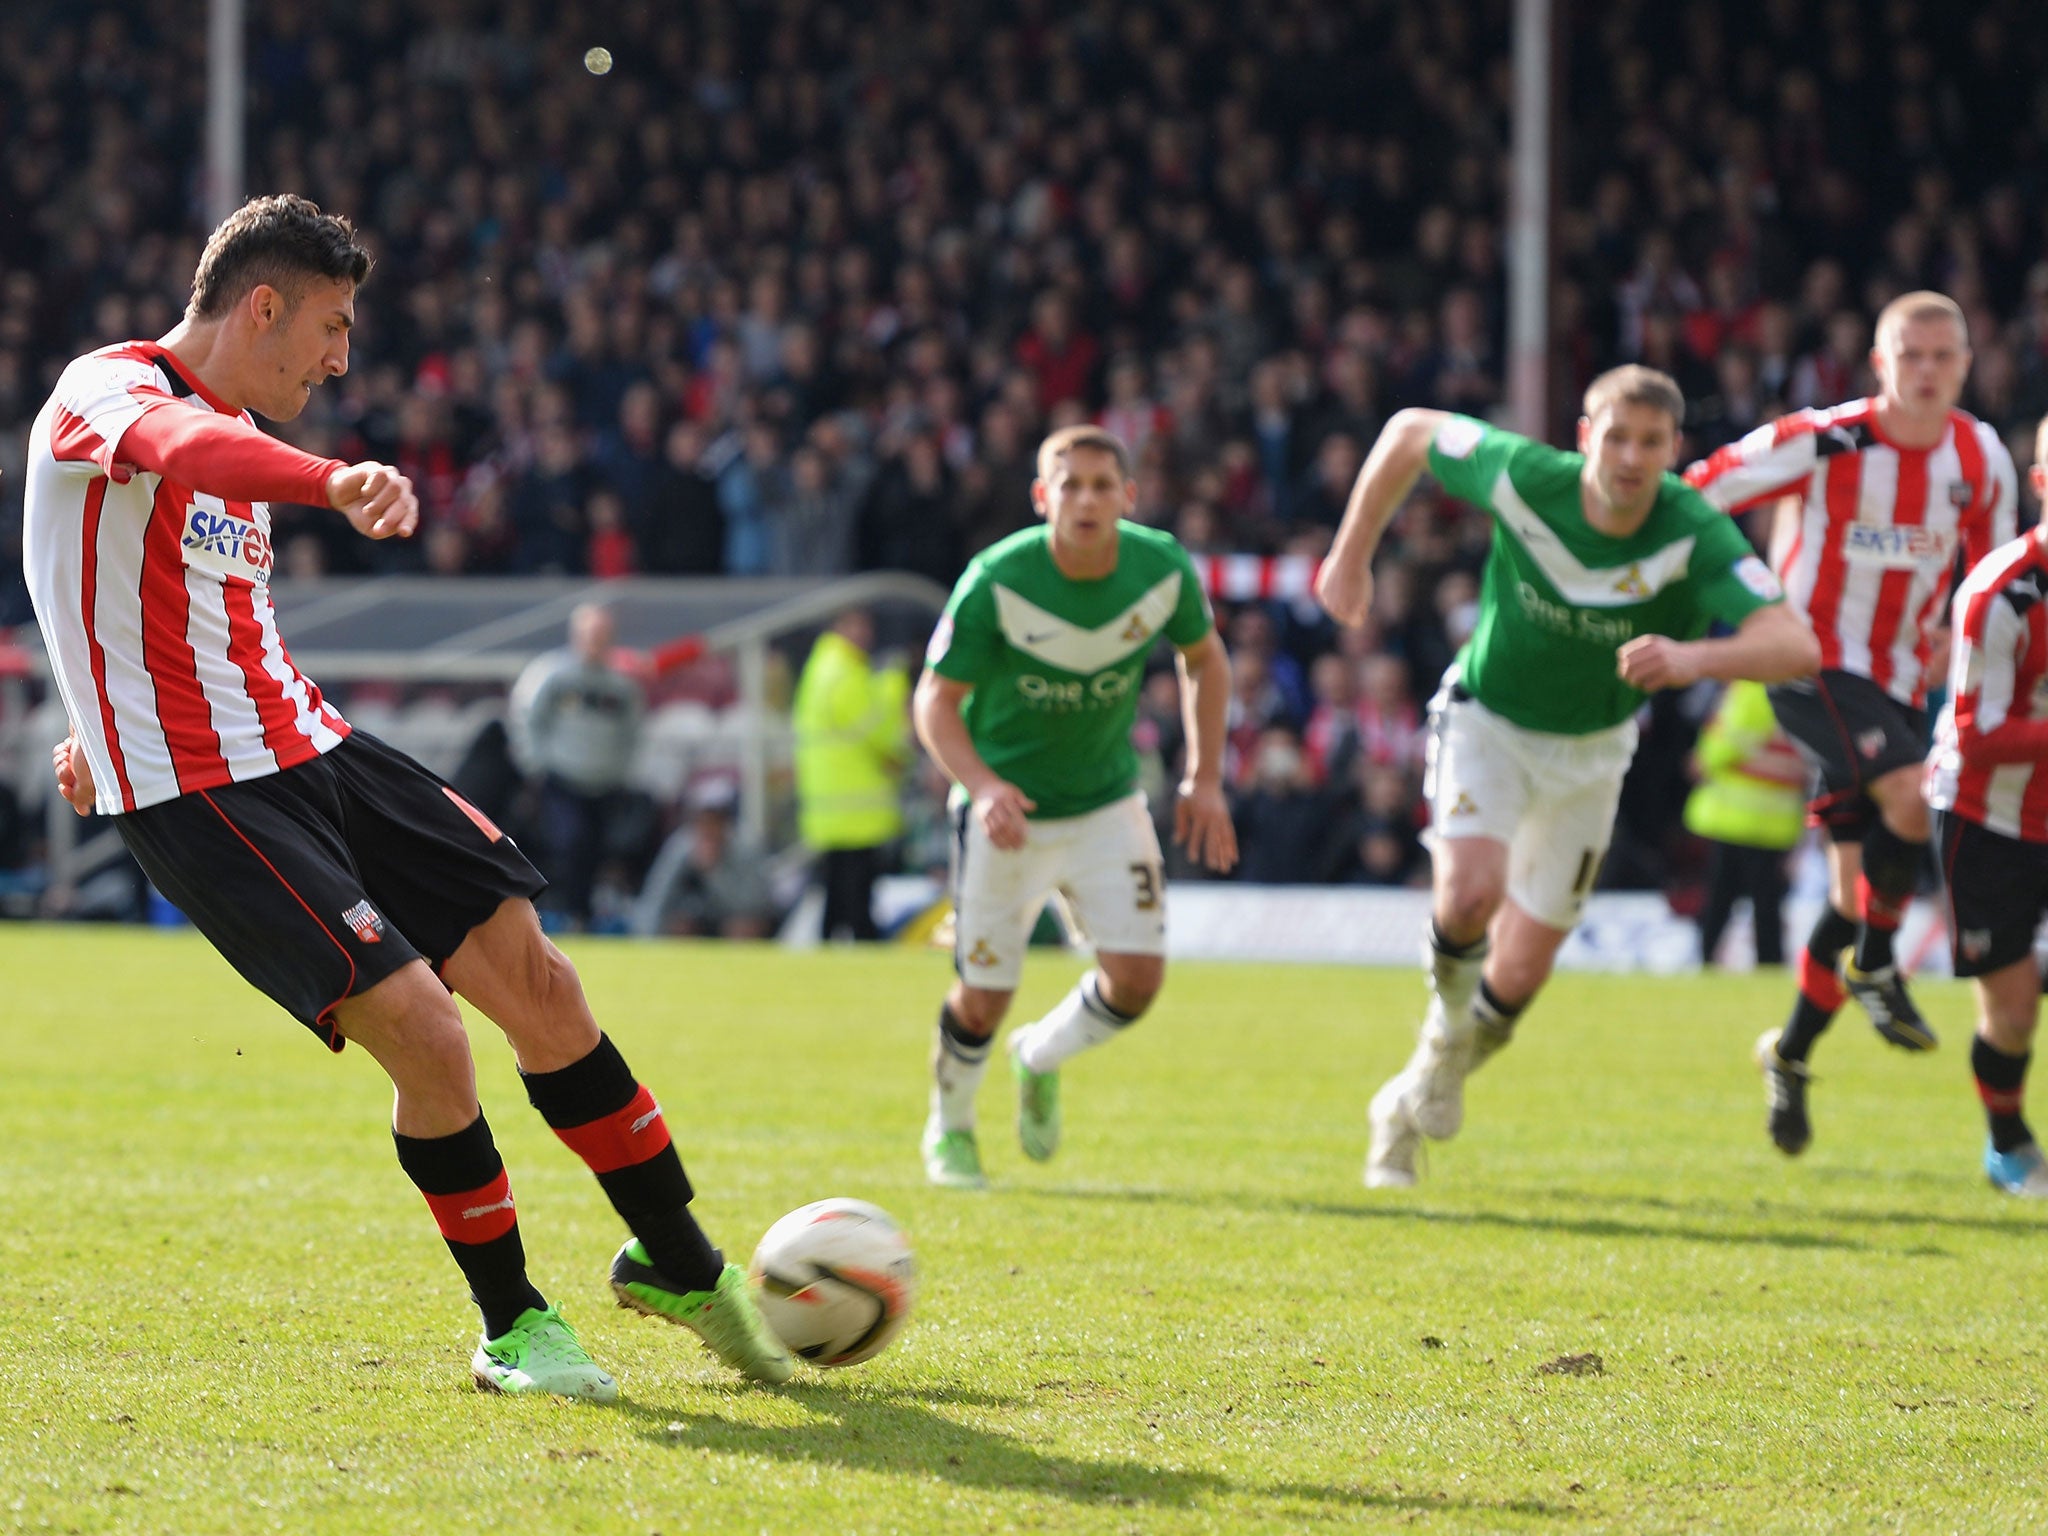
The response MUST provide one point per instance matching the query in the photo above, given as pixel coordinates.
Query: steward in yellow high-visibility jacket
(1752, 788)
(1750, 805)
(852, 744)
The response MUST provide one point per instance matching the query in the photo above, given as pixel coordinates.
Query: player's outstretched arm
(999, 805)
(1344, 582)
(74, 774)
(1201, 813)
(1772, 645)
(375, 498)
(223, 456)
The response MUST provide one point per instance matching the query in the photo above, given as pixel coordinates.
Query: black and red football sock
(463, 1179)
(613, 1123)
(2002, 1085)
(1820, 987)
(1891, 868)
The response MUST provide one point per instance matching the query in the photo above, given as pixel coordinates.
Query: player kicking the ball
(339, 876)
(1028, 697)
(1988, 784)
(1604, 568)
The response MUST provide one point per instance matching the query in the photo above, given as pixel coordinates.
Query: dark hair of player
(282, 242)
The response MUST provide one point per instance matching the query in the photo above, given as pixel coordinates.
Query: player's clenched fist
(1344, 588)
(74, 775)
(1650, 662)
(375, 498)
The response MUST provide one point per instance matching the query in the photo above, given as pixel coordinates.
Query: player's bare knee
(1908, 820)
(1131, 982)
(553, 989)
(411, 1027)
(1516, 979)
(979, 1010)
(1465, 907)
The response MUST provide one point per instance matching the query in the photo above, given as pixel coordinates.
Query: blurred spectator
(1737, 404)
(812, 514)
(1283, 820)
(1383, 840)
(1390, 726)
(747, 484)
(545, 506)
(1325, 488)
(720, 890)
(1331, 737)
(1750, 806)
(909, 520)
(679, 524)
(576, 718)
(852, 744)
(1060, 357)
(1836, 370)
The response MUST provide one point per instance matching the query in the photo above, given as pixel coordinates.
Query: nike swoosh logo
(1038, 639)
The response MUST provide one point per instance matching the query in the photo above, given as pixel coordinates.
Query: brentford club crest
(367, 922)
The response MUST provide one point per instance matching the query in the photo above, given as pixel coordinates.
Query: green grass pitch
(223, 1309)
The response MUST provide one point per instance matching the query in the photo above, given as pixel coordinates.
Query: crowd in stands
(795, 288)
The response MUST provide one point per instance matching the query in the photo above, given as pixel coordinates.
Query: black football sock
(1496, 1021)
(1891, 867)
(464, 1182)
(1820, 987)
(2001, 1084)
(610, 1121)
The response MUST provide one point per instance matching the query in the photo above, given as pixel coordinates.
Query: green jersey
(1560, 598)
(1056, 664)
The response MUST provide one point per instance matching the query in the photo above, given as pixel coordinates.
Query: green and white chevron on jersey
(1077, 648)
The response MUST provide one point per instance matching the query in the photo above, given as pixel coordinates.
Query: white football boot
(1444, 1057)
(1390, 1158)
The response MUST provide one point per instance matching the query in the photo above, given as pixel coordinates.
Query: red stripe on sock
(1819, 984)
(476, 1215)
(2001, 1101)
(1874, 908)
(620, 1140)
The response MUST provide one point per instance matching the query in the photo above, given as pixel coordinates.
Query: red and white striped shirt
(1992, 737)
(146, 544)
(1878, 529)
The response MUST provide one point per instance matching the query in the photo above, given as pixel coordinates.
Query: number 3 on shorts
(1148, 878)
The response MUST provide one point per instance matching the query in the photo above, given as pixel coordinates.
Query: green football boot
(541, 1353)
(724, 1317)
(952, 1160)
(1038, 1107)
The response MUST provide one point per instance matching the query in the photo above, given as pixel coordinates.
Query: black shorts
(318, 882)
(1850, 731)
(1997, 888)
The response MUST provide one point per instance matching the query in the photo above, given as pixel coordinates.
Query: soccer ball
(835, 1280)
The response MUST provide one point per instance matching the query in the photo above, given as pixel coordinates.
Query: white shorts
(1551, 799)
(1106, 866)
